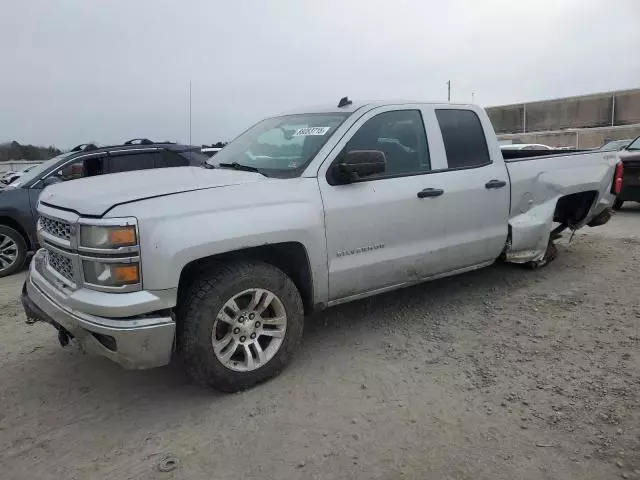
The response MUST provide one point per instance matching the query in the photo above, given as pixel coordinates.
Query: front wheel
(239, 324)
(13, 251)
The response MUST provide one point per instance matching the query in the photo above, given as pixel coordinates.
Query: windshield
(38, 169)
(635, 145)
(615, 145)
(280, 146)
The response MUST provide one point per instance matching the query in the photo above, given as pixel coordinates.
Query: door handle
(495, 184)
(430, 192)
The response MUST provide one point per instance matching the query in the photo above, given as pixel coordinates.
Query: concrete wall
(575, 137)
(507, 119)
(627, 107)
(585, 111)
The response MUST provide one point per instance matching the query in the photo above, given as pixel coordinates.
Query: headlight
(111, 274)
(93, 236)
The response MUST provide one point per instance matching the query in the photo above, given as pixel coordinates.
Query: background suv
(18, 201)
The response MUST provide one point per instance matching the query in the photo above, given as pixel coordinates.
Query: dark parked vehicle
(13, 175)
(630, 157)
(18, 201)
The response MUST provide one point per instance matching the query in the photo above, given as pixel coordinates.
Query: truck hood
(94, 196)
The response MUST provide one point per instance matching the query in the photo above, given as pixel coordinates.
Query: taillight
(617, 178)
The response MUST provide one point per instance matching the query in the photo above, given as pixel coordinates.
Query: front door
(378, 230)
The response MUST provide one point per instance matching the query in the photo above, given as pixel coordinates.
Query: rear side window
(127, 163)
(464, 139)
(195, 157)
(170, 159)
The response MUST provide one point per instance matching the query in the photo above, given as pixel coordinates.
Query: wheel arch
(529, 232)
(11, 222)
(573, 208)
(290, 257)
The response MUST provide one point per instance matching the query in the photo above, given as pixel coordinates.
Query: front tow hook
(63, 336)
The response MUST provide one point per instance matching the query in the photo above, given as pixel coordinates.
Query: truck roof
(356, 105)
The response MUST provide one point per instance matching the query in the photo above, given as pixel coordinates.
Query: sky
(75, 71)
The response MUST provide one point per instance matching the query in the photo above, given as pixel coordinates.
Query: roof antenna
(190, 150)
(344, 102)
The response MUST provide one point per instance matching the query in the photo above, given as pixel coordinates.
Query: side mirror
(356, 164)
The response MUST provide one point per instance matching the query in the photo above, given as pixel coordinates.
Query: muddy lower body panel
(134, 342)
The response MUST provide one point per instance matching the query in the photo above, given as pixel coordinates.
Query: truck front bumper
(138, 342)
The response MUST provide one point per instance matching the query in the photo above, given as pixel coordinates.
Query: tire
(617, 204)
(549, 255)
(205, 303)
(13, 251)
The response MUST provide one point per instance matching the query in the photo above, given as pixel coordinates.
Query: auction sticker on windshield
(305, 132)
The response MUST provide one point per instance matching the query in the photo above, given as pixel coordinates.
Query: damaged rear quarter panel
(537, 185)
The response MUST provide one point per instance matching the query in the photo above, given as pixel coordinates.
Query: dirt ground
(503, 373)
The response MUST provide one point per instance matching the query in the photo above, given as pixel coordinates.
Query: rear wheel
(617, 204)
(13, 251)
(240, 324)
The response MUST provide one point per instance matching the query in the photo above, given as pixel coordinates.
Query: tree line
(15, 151)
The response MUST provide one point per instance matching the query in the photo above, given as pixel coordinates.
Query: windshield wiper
(239, 166)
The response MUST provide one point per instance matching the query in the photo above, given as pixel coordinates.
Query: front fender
(177, 230)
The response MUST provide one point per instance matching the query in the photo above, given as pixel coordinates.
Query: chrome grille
(57, 228)
(61, 264)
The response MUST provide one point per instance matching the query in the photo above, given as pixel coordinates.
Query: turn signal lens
(125, 273)
(123, 236)
(111, 274)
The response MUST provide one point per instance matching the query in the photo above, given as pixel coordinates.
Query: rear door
(476, 190)
(166, 158)
(130, 160)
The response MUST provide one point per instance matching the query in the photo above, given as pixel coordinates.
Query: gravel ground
(499, 374)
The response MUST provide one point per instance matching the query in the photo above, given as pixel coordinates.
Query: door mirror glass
(357, 164)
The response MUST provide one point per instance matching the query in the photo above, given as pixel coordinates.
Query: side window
(87, 167)
(130, 162)
(170, 159)
(400, 135)
(464, 139)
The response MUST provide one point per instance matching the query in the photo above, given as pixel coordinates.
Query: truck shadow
(381, 311)
(426, 299)
(66, 380)
(629, 207)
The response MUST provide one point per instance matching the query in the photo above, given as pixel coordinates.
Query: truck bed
(539, 182)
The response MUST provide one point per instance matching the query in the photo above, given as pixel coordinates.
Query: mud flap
(602, 218)
(31, 310)
(35, 314)
(549, 255)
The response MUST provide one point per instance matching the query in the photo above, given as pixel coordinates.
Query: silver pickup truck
(300, 212)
